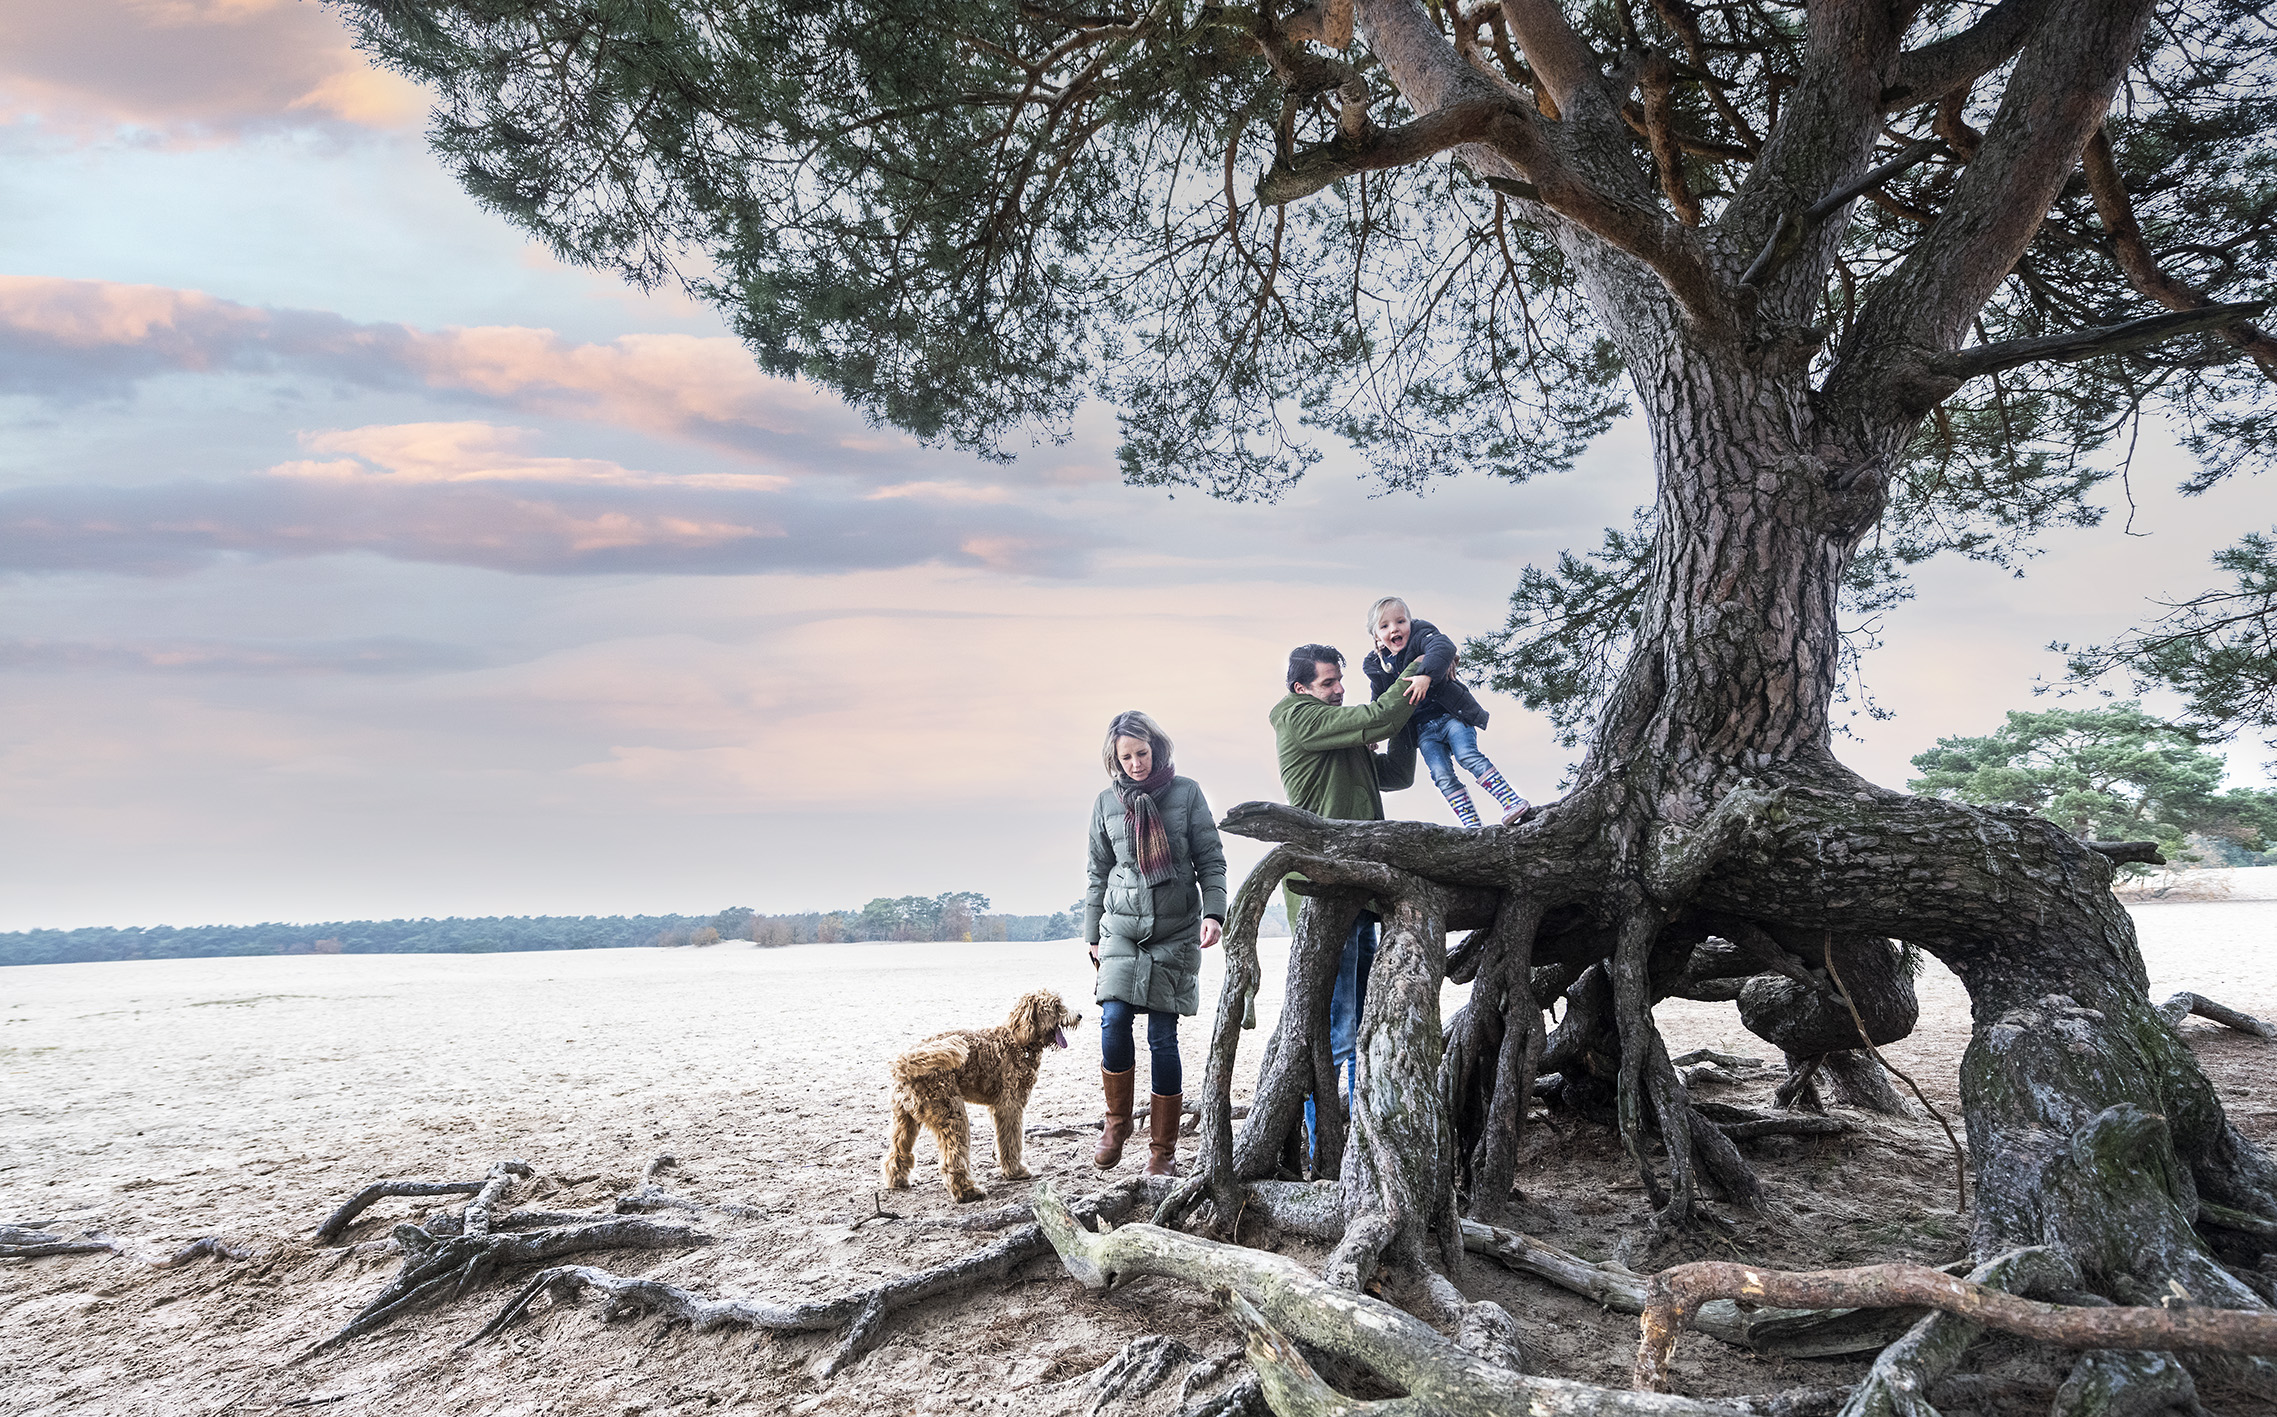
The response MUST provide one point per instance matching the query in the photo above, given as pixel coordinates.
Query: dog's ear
(1031, 1020)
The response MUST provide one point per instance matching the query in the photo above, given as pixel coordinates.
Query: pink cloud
(192, 70)
(72, 340)
(69, 339)
(470, 494)
(482, 452)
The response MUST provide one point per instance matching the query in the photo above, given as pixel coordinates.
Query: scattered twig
(1960, 1158)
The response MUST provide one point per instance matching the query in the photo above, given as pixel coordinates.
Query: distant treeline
(958, 915)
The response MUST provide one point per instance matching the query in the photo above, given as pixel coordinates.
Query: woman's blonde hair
(1131, 723)
(1376, 614)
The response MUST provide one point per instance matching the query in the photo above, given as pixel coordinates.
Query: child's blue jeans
(1446, 741)
(1117, 1055)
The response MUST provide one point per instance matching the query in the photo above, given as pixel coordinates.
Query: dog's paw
(967, 1193)
(1017, 1173)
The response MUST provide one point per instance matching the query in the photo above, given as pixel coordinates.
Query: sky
(358, 559)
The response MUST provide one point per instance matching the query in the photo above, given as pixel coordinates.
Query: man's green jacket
(1326, 767)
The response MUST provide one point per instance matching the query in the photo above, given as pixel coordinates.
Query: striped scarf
(1142, 820)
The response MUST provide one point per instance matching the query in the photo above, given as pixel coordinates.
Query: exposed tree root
(1781, 1332)
(1675, 1292)
(23, 1242)
(2182, 1005)
(453, 1253)
(1137, 1369)
(436, 1270)
(1280, 1303)
(863, 1312)
(336, 1224)
(1244, 1399)
(2108, 1384)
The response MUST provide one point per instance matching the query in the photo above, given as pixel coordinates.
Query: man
(1328, 769)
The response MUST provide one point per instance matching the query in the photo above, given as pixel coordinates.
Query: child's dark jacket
(1436, 655)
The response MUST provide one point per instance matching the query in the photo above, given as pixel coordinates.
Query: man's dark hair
(1305, 662)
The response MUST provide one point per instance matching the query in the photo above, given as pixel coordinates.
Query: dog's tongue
(1059, 1038)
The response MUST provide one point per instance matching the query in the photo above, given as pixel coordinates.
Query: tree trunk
(1710, 804)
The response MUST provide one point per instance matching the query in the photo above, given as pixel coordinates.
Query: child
(1447, 718)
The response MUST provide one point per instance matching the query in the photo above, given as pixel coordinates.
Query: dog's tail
(935, 1055)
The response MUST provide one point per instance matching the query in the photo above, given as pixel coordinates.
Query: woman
(1157, 900)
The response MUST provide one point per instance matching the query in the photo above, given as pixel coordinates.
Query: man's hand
(1094, 954)
(1417, 687)
(1211, 930)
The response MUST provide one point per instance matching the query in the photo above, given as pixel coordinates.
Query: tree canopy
(1432, 231)
(2103, 774)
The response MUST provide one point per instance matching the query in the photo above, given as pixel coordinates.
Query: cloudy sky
(358, 559)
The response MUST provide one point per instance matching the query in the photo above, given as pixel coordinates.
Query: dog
(990, 1067)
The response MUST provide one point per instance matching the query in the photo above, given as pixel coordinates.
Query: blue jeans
(1117, 1055)
(1351, 993)
(1344, 1006)
(1446, 741)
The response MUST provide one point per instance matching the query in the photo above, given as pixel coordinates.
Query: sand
(162, 1101)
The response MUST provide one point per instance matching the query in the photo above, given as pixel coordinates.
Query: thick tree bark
(1712, 843)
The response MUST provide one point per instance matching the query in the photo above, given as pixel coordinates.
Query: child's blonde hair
(1376, 616)
(1131, 723)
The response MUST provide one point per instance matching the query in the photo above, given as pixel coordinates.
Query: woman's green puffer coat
(1150, 939)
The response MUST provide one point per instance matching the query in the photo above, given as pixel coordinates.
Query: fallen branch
(2183, 1005)
(1675, 1292)
(1904, 1373)
(338, 1221)
(1785, 1333)
(863, 1312)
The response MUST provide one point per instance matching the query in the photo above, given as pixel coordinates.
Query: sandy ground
(162, 1101)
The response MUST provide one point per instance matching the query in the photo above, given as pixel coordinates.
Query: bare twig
(1960, 1158)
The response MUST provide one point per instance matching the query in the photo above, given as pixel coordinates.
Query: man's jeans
(1351, 995)
(1344, 1006)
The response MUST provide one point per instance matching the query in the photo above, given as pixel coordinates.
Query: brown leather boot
(1162, 1133)
(1117, 1129)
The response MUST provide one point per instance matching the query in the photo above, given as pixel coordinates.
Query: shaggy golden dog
(991, 1067)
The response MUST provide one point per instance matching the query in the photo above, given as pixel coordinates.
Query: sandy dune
(160, 1101)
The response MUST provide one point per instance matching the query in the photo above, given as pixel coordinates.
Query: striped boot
(1464, 811)
(1512, 803)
